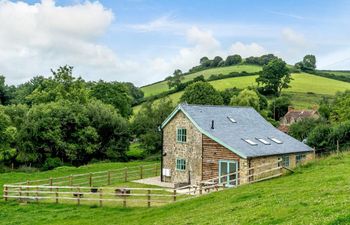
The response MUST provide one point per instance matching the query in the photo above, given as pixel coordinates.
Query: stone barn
(201, 142)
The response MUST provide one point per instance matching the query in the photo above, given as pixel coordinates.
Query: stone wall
(191, 151)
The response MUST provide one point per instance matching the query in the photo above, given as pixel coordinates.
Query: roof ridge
(222, 106)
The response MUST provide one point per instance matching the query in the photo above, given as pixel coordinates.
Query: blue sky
(143, 41)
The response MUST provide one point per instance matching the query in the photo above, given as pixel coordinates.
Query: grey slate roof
(249, 125)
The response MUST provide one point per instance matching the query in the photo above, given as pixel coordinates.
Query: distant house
(202, 142)
(294, 115)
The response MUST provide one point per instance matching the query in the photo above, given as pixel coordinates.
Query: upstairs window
(181, 135)
(180, 164)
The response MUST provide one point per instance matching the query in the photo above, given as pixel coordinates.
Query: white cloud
(37, 37)
(246, 50)
(293, 37)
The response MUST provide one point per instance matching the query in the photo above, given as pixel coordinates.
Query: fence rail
(97, 187)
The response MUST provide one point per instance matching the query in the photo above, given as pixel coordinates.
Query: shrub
(52, 163)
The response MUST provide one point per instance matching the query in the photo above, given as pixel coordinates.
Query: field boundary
(56, 190)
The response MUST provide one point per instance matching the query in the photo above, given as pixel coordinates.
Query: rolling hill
(317, 193)
(306, 89)
(162, 86)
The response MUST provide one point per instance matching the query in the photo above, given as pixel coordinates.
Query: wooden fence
(68, 189)
(101, 178)
(122, 196)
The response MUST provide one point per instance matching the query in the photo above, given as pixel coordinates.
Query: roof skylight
(231, 119)
(250, 142)
(263, 141)
(276, 140)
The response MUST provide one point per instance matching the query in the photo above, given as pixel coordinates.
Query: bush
(52, 163)
(27, 169)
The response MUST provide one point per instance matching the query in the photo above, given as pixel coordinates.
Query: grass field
(306, 89)
(317, 193)
(336, 72)
(163, 86)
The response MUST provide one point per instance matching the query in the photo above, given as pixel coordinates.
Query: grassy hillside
(337, 72)
(160, 87)
(317, 193)
(306, 89)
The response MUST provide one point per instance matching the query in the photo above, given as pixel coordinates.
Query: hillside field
(160, 87)
(306, 90)
(317, 193)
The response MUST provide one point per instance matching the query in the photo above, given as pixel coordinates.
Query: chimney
(212, 124)
(290, 108)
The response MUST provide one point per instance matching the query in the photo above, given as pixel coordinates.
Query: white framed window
(299, 158)
(181, 135)
(180, 164)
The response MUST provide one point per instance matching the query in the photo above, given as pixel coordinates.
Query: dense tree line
(63, 119)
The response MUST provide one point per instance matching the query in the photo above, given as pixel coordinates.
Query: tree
(216, 61)
(301, 129)
(8, 134)
(114, 93)
(199, 78)
(275, 76)
(201, 93)
(340, 107)
(135, 92)
(146, 124)
(23, 91)
(319, 137)
(233, 60)
(6, 92)
(246, 98)
(309, 62)
(279, 107)
(62, 86)
(205, 62)
(175, 80)
(228, 93)
(74, 132)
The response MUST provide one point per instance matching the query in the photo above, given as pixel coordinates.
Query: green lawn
(317, 193)
(306, 89)
(163, 86)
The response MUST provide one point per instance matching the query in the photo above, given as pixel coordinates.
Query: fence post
(109, 178)
(100, 197)
(27, 189)
(124, 197)
(141, 172)
(174, 195)
(149, 198)
(37, 194)
(200, 188)
(223, 186)
(5, 192)
(71, 180)
(20, 193)
(57, 195)
(78, 197)
(51, 183)
(126, 174)
(90, 179)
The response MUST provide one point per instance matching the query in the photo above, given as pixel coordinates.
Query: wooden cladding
(212, 153)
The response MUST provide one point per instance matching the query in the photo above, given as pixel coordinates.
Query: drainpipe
(162, 154)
